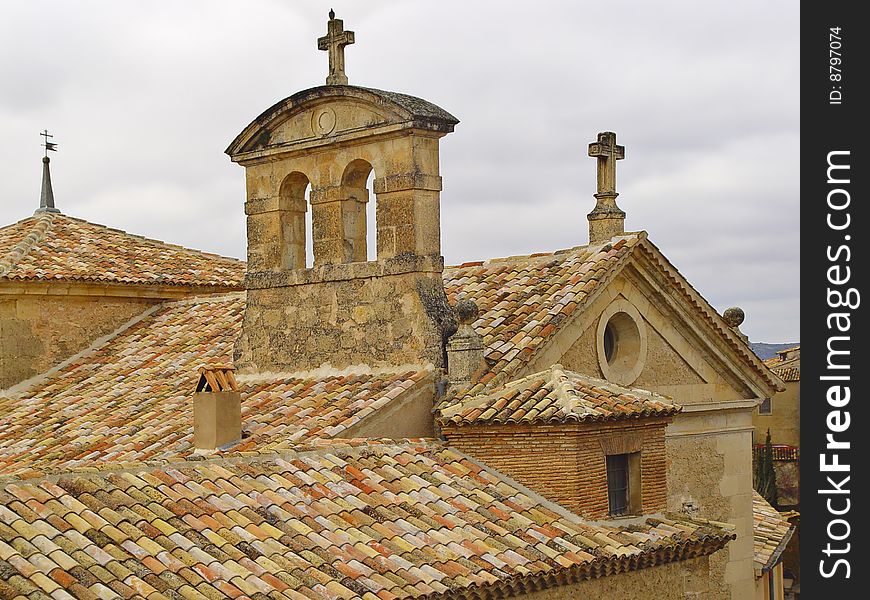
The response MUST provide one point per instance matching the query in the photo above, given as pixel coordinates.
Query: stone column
(292, 216)
(353, 214)
(338, 220)
(327, 225)
(409, 215)
(276, 233)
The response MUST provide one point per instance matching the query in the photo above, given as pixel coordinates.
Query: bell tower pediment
(329, 115)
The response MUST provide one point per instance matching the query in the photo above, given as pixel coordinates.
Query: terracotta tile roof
(129, 400)
(556, 396)
(400, 521)
(788, 373)
(771, 533)
(787, 369)
(523, 300)
(53, 246)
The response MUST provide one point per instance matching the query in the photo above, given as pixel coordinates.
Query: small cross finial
(334, 41)
(607, 152)
(48, 145)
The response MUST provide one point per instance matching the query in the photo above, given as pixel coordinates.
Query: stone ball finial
(467, 311)
(734, 316)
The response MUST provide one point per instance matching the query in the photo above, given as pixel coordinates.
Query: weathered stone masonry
(343, 309)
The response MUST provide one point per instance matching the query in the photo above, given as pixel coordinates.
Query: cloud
(144, 97)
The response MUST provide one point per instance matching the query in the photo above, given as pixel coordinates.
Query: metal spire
(46, 197)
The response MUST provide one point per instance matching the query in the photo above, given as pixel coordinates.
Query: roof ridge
(544, 255)
(569, 390)
(205, 298)
(149, 239)
(566, 395)
(558, 370)
(328, 371)
(37, 233)
(377, 446)
(516, 257)
(696, 299)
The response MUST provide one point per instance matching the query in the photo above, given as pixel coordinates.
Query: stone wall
(784, 420)
(390, 312)
(38, 332)
(709, 456)
(566, 463)
(663, 365)
(409, 416)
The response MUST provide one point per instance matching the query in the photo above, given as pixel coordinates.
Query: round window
(621, 343)
(609, 342)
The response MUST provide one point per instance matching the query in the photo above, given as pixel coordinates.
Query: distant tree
(764, 473)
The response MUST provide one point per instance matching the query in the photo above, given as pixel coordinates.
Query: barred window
(617, 483)
(623, 484)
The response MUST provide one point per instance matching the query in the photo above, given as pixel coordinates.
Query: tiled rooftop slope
(53, 246)
(771, 533)
(787, 369)
(130, 400)
(381, 522)
(523, 300)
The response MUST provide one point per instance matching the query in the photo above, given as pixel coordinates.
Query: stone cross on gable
(607, 153)
(334, 41)
(606, 219)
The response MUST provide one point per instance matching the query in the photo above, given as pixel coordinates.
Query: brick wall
(565, 463)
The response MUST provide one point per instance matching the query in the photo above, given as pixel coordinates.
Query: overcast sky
(143, 97)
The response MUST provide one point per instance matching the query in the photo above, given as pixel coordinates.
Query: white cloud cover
(144, 97)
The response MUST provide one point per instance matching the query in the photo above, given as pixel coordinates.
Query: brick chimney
(217, 408)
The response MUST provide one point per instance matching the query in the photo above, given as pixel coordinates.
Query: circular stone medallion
(323, 121)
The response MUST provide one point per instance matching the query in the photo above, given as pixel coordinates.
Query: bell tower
(315, 151)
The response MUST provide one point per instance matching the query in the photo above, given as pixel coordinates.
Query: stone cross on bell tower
(606, 219)
(334, 41)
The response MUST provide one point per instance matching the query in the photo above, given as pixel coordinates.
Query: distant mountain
(765, 351)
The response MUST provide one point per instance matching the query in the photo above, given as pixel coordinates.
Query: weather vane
(48, 145)
(46, 196)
